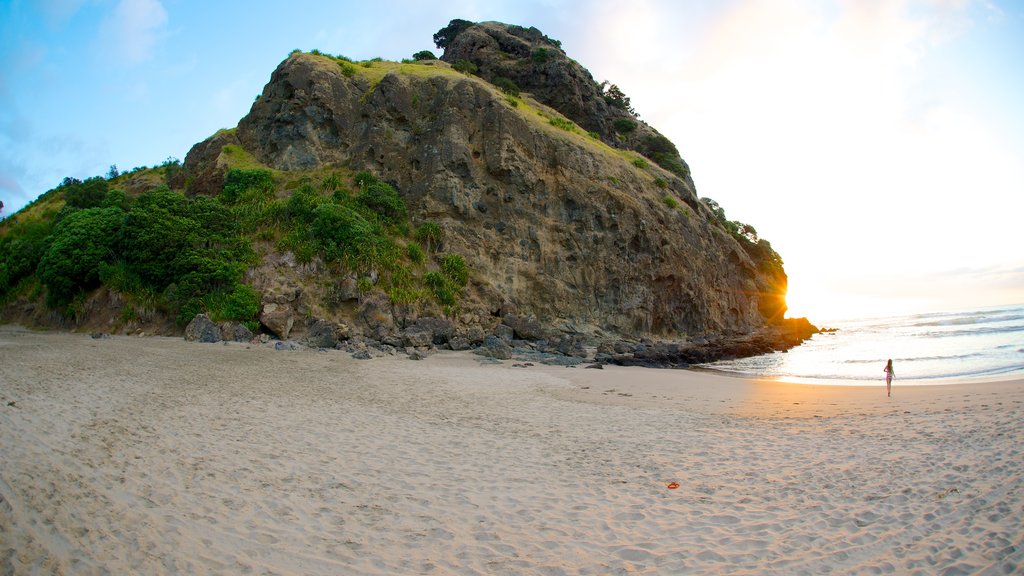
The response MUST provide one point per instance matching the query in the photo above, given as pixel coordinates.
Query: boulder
(524, 327)
(322, 334)
(202, 329)
(417, 336)
(278, 318)
(235, 332)
(505, 333)
(440, 329)
(494, 347)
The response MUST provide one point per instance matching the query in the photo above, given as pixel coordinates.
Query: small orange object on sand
(673, 485)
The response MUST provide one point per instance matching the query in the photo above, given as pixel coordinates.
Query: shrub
(465, 66)
(660, 182)
(88, 194)
(247, 185)
(506, 85)
(80, 244)
(424, 55)
(185, 248)
(384, 201)
(347, 70)
(241, 304)
(541, 55)
(562, 123)
(364, 179)
(20, 252)
(670, 202)
(454, 268)
(624, 125)
(429, 233)
(303, 202)
(440, 287)
(415, 253)
(640, 163)
(330, 183)
(594, 135)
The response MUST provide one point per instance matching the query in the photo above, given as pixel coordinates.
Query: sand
(157, 456)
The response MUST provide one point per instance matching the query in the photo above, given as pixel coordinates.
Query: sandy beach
(153, 455)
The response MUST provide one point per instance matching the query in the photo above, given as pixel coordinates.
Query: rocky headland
(579, 226)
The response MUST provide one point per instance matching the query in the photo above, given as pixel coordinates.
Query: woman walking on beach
(889, 375)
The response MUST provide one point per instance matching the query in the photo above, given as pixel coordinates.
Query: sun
(819, 305)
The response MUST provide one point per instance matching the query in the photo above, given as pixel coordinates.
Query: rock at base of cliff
(278, 318)
(524, 327)
(493, 347)
(202, 329)
(235, 332)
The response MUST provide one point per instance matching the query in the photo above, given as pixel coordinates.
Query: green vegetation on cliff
(185, 255)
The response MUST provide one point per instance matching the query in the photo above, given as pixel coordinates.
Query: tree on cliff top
(445, 35)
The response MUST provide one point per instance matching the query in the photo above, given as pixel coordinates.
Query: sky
(878, 145)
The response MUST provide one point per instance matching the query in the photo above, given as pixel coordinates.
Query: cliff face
(552, 222)
(538, 65)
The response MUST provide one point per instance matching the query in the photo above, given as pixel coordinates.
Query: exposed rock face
(537, 64)
(556, 226)
(202, 329)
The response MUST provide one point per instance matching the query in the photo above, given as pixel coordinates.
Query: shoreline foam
(153, 455)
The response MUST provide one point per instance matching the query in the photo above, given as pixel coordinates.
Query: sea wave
(970, 320)
(916, 358)
(973, 331)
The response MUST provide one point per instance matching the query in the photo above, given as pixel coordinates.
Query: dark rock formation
(202, 329)
(537, 64)
(776, 338)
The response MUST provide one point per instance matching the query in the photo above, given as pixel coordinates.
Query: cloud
(134, 28)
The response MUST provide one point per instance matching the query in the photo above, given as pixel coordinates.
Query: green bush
(624, 125)
(303, 202)
(415, 253)
(640, 163)
(430, 234)
(88, 194)
(465, 66)
(454, 268)
(247, 185)
(562, 123)
(20, 251)
(80, 244)
(384, 201)
(347, 70)
(241, 304)
(185, 248)
(364, 179)
(506, 85)
(670, 202)
(424, 55)
(541, 55)
(660, 182)
(441, 287)
(331, 183)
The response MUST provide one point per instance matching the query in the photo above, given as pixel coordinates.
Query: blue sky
(877, 144)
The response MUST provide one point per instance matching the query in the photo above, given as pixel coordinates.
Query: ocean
(935, 348)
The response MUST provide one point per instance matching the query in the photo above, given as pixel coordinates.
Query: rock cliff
(553, 222)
